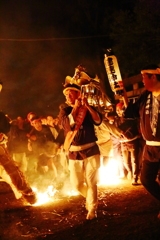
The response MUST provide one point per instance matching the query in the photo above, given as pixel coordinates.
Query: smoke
(33, 69)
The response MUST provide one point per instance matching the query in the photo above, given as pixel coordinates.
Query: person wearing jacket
(78, 120)
(147, 108)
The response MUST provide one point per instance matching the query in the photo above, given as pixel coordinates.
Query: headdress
(151, 71)
(80, 77)
(71, 87)
(89, 87)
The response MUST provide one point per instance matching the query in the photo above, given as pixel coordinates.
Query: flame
(72, 193)
(46, 196)
(49, 195)
(108, 174)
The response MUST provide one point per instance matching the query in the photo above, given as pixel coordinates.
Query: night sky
(41, 42)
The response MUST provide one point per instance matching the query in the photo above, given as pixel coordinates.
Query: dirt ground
(125, 212)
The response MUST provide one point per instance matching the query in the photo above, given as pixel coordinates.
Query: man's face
(71, 96)
(50, 120)
(149, 81)
(37, 124)
(119, 111)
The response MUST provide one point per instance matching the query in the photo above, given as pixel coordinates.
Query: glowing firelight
(108, 174)
(44, 197)
(72, 193)
(49, 195)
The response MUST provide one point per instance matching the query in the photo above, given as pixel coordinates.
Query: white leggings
(84, 176)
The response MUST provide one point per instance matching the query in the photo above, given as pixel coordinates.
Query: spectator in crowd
(62, 157)
(44, 148)
(17, 143)
(10, 172)
(130, 145)
(30, 115)
(51, 122)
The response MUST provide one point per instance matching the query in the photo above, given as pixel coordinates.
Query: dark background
(42, 41)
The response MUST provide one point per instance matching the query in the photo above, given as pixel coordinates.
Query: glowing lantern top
(113, 72)
(0, 86)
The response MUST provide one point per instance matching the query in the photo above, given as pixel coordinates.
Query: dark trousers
(150, 169)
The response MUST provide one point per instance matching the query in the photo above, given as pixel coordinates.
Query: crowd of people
(74, 142)
(36, 146)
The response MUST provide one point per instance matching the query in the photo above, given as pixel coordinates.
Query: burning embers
(47, 196)
(52, 194)
(107, 176)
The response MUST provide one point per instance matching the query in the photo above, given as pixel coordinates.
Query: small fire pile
(108, 174)
(51, 194)
(46, 196)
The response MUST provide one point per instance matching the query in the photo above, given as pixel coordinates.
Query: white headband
(152, 71)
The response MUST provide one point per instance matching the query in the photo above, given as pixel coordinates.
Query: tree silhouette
(136, 36)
